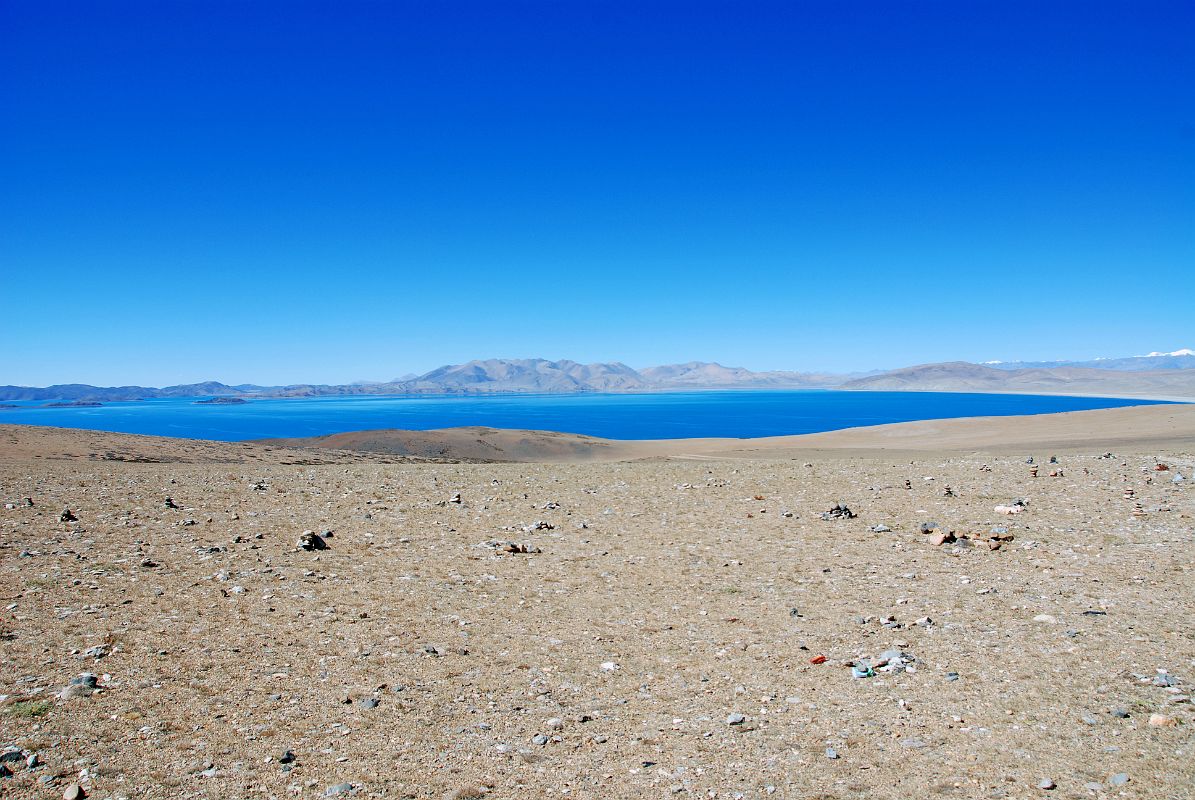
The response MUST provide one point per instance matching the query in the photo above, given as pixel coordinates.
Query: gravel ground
(660, 639)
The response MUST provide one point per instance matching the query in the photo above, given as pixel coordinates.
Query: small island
(74, 404)
(221, 401)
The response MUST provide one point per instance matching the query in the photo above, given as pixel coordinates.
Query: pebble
(73, 792)
(287, 757)
(1162, 721)
(736, 719)
(368, 702)
(1047, 784)
(555, 723)
(539, 739)
(1119, 779)
(1120, 713)
(831, 753)
(339, 788)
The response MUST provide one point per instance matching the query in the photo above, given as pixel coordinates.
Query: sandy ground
(1139, 427)
(660, 598)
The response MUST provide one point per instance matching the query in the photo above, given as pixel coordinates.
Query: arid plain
(605, 619)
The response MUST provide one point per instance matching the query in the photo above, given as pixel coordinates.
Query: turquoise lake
(739, 414)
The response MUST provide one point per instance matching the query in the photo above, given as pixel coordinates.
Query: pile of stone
(310, 541)
(838, 511)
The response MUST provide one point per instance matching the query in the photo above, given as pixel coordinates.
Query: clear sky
(278, 192)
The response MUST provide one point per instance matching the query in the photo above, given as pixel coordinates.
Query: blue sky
(279, 192)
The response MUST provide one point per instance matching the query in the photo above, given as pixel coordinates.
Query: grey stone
(736, 719)
(831, 753)
(539, 739)
(1120, 713)
(339, 788)
(1046, 784)
(1119, 779)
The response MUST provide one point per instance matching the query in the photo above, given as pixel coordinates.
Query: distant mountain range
(492, 376)
(961, 376)
(1179, 359)
(1158, 374)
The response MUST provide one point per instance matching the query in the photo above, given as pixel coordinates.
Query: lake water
(615, 416)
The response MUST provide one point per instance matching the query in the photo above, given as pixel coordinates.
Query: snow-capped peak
(1183, 352)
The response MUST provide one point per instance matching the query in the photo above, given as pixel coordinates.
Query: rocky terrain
(185, 619)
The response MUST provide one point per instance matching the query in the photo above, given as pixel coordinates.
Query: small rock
(73, 792)
(735, 719)
(831, 753)
(1119, 779)
(287, 757)
(944, 537)
(339, 788)
(1162, 721)
(1046, 784)
(539, 739)
(368, 702)
(309, 541)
